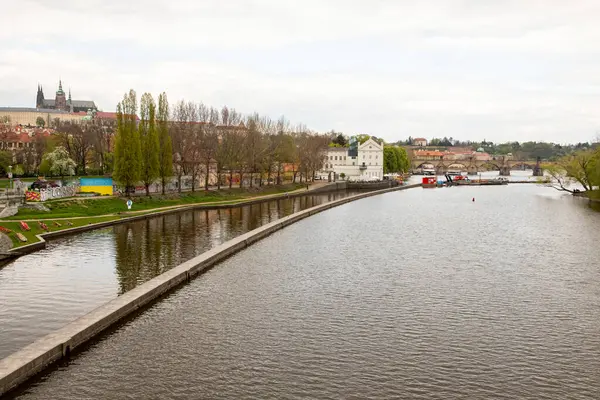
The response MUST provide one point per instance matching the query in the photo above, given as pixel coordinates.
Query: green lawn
(87, 207)
(36, 229)
(5, 182)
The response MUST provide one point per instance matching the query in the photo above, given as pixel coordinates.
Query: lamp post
(10, 176)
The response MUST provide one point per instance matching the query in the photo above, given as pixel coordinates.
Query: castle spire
(69, 95)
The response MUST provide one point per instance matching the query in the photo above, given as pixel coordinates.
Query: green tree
(403, 161)
(59, 163)
(390, 160)
(362, 138)
(148, 141)
(339, 139)
(6, 159)
(18, 170)
(579, 167)
(127, 164)
(165, 146)
(39, 121)
(395, 160)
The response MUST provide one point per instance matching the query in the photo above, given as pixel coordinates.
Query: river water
(44, 291)
(418, 294)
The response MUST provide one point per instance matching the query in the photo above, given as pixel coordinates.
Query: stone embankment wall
(31, 360)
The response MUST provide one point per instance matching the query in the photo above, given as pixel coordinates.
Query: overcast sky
(470, 69)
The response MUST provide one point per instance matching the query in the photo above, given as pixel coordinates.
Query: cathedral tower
(60, 102)
(39, 101)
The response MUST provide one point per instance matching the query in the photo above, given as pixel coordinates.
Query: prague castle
(61, 108)
(62, 103)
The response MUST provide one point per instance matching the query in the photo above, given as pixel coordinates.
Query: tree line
(530, 150)
(197, 141)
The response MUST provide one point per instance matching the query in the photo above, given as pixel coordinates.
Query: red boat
(43, 226)
(24, 226)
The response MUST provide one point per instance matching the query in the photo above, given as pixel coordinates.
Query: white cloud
(501, 70)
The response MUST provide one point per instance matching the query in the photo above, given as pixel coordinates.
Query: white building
(422, 142)
(366, 163)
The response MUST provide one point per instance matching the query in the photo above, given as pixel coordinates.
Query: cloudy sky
(470, 69)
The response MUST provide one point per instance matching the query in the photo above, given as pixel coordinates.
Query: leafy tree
(390, 160)
(340, 140)
(580, 167)
(39, 121)
(6, 159)
(127, 164)
(59, 163)
(395, 159)
(362, 138)
(148, 141)
(165, 147)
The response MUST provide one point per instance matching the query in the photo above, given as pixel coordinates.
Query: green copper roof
(60, 89)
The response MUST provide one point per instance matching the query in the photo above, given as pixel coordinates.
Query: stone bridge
(503, 164)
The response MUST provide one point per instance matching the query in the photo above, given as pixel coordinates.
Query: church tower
(39, 101)
(60, 102)
(70, 102)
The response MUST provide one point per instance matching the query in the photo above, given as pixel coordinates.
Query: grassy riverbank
(85, 211)
(37, 230)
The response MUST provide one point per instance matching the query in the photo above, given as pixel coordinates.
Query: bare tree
(255, 147)
(77, 139)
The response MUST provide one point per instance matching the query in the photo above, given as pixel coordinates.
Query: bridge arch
(457, 166)
(490, 166)
(522, 165)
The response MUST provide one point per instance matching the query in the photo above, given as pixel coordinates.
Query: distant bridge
(503, 164)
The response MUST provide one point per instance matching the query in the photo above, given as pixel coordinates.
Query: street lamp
(10, 176)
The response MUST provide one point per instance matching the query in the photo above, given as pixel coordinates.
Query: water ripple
(417, 295)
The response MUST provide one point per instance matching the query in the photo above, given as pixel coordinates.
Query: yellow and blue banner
(97, 185)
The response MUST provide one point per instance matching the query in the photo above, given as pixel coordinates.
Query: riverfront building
(357, 162)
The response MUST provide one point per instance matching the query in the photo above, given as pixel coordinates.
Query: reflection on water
(417, 294)
(43, 291)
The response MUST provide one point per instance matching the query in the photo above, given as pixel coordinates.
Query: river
(417, 294)
(44, 291)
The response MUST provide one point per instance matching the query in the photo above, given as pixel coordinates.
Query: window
(344, 158)
(353, 163)
(336, 158)
(376, 156)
